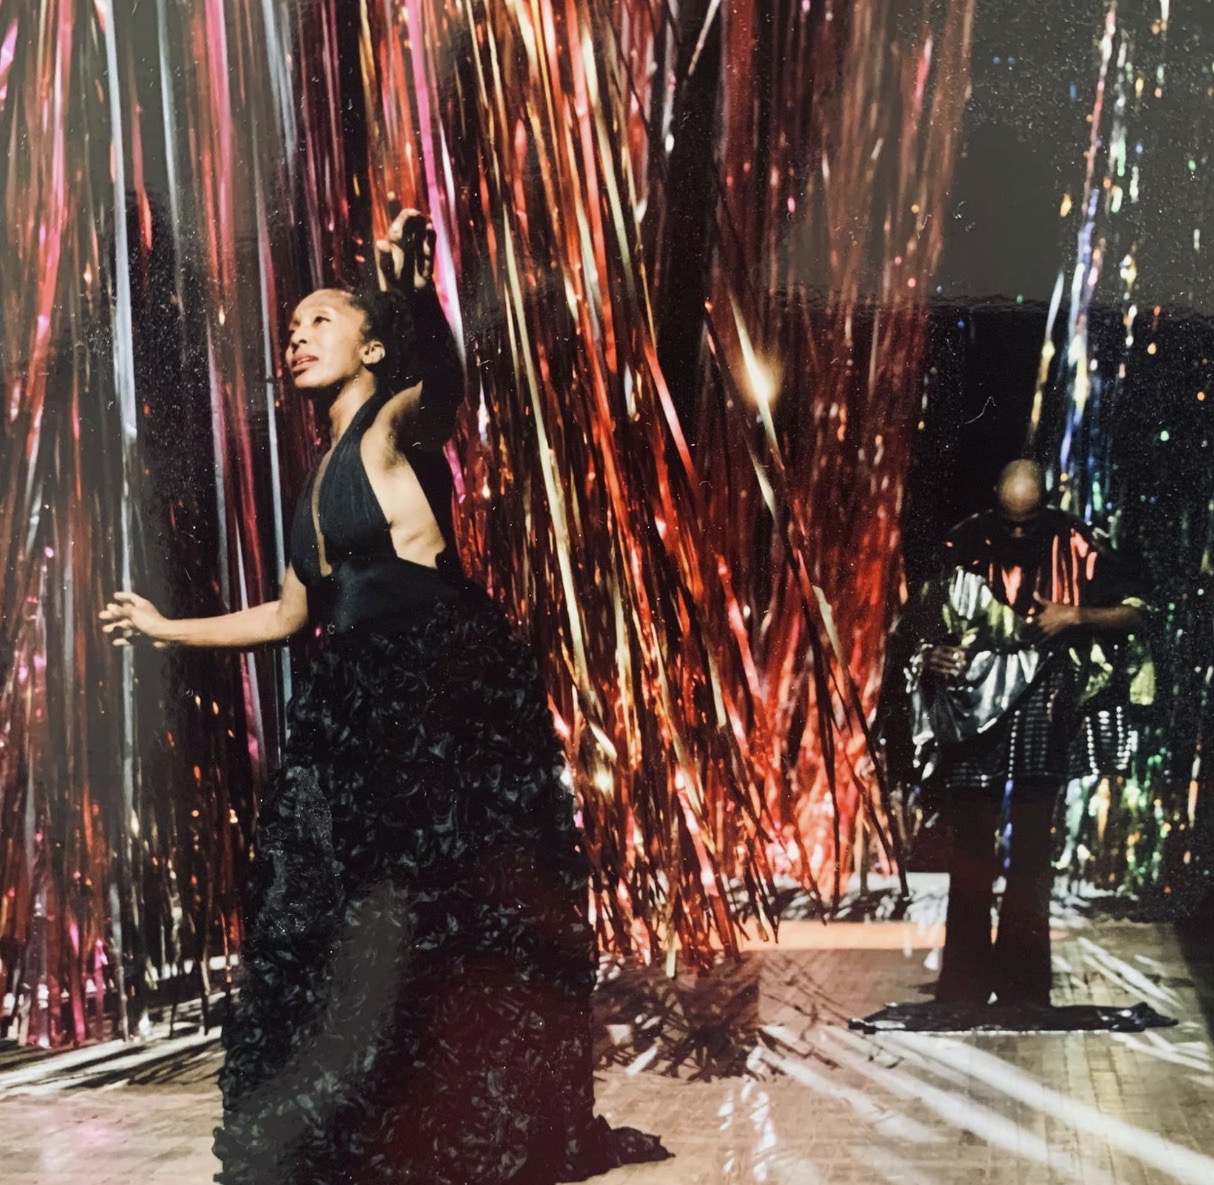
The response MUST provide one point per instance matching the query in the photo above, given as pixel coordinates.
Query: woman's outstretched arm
(129, 616)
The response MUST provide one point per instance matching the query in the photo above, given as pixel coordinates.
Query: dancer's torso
(342, 545)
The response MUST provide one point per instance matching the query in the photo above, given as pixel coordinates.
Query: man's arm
(1053, 619)
(1113, 595)
(944, 659)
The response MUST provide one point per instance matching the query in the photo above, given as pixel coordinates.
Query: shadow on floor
(1195, 935)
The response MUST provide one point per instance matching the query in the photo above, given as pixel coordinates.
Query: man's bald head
(1019, 501)
(1020, 489)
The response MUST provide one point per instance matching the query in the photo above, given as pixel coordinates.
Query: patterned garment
(1032, 714)
(1043, 742)
(1066, 561)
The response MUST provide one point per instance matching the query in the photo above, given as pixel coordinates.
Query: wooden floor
(751, 1075)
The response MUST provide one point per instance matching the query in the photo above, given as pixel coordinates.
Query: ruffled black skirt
(417, 969)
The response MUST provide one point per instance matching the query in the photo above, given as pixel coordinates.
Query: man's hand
(946, 661)
(1052, 619)
(405, 258)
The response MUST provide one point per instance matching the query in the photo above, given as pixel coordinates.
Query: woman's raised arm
(429, 421)
(438, 383)
(129, 616)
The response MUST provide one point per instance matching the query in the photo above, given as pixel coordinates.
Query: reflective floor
(751, 1075)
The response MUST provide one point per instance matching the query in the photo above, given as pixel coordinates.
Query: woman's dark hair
(388, 320)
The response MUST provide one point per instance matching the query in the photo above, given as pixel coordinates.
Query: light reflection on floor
(808, 1103)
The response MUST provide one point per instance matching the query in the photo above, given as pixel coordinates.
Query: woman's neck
(350, 397)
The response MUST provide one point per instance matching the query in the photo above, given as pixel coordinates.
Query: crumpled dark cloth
(936, 1016)
(414, 1002)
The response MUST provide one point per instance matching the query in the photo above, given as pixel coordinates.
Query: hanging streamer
(664, 524)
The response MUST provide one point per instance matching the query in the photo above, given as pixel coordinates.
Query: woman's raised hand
(405, 258)
(129, 616)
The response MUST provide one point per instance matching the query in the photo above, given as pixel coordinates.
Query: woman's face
(328, 344)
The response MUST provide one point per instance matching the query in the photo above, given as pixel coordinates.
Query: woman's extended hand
(405, 258)
(129, 616)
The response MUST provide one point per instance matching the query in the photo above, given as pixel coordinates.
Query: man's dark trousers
(1016, 966)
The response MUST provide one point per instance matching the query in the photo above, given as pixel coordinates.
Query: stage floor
(751, 1075)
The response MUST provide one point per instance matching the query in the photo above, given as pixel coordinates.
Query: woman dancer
(417, 964)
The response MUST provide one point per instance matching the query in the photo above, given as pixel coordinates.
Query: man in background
(1024, 657)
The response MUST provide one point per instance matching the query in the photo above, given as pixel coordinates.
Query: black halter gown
(415, 987)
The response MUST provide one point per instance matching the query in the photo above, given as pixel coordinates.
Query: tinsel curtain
(1120, 418)
(689, 249)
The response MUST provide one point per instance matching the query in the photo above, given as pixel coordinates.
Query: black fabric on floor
(934, 1016)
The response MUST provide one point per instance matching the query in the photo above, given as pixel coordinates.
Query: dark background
(1035, 67)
